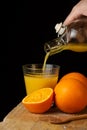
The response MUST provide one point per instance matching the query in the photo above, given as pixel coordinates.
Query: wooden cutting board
(53, 115)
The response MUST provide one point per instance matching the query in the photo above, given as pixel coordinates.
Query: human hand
(80, 9)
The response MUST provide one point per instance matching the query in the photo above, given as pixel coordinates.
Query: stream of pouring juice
(45, 60)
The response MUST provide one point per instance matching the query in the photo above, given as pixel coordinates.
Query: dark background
(30, 25)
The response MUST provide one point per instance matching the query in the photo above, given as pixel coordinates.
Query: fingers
(74, 14)
(80, 9)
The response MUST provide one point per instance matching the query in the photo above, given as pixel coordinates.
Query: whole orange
(39, 101)
(70, 95)
(76, 75)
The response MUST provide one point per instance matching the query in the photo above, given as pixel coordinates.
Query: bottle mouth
(47, 47)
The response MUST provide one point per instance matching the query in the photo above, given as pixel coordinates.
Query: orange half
(39, 101)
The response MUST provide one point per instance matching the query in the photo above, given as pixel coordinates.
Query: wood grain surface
(21, 119)
(53, 115)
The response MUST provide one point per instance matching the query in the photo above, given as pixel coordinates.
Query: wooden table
(19, 119)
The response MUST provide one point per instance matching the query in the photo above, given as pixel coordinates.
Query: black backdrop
(30, 26)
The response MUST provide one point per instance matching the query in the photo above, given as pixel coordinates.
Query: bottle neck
(54, 45)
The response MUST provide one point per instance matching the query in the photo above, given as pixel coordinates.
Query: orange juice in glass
(35, 77)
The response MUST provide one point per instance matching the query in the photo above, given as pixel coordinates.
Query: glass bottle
(72, 37)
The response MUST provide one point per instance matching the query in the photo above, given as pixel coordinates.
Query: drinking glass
(35, 77)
